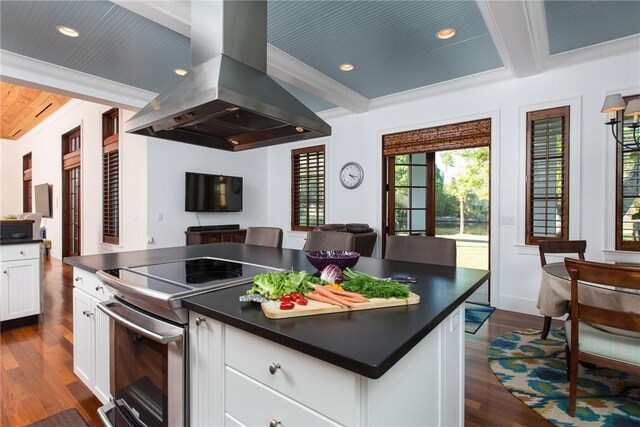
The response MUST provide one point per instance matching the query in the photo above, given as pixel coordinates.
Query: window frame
(111, 197)
(531, 117)
(620, 152)
(296, 202)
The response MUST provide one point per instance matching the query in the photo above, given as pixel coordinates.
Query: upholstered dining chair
(578, 247)
(424, 249)
(329, 241)
(587, 341)
(264, 236)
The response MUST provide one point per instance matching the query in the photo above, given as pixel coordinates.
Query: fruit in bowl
(343, 259)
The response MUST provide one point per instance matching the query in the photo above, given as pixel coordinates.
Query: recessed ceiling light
(347, 67)
(446, 33)
(67, 31)
(180, 71)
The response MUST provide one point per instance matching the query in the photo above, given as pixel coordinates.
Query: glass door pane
(462, 207)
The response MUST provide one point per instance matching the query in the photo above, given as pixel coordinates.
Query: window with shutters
(27, 189)
(627, 188)
(547, 204)
(307, 188)
(110, 177)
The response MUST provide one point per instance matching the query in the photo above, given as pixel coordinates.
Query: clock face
(351, 175)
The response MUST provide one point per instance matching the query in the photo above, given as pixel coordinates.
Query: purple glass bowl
(343, 259)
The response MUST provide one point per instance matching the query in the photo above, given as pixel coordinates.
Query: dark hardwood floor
(37, 379)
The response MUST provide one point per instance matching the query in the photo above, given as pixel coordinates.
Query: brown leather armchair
(364, 236)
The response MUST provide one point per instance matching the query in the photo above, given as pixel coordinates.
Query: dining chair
(329, 241)
(424, 249)
(264, 236)
(578, 247)
(586, 339)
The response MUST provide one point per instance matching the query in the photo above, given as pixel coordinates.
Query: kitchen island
(400, 365)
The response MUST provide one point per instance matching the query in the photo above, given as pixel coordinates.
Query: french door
(71, 194)
(436, 183)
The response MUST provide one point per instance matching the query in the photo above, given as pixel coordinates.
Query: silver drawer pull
(274, 423)
(98, 287)
(21, 252)
(4, 271)
(273, 368)
(89, 313)
(200, 320)
(78, 278)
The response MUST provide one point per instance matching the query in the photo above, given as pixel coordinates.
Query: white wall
(10, 194)
(167, 163)
(515, 267)
(44, 142)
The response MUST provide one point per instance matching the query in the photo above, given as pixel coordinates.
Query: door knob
(200, 320)
(274, 423)
(274, 367)
(98, 287)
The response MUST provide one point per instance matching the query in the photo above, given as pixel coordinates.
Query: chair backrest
(23, 215)
(619, 276)
(264, 236)
(423, 249)
(578, 247)
(329, 241)
(37, 219)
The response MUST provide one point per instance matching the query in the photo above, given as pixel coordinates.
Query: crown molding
(590, 53)
(176, 18)
(42, 75)
(475, 80)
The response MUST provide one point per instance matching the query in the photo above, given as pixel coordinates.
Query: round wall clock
(351, 175)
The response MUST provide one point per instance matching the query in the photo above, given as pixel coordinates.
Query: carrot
(347, 294)
(326, 293)
(317, 297)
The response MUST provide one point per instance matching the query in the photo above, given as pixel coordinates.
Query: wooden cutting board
(272, 310)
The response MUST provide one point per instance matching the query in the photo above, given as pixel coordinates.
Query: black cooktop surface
(202, 272)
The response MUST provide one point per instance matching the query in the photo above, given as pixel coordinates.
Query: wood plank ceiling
(22, 109)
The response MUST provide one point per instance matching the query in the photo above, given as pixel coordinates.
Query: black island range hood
(227, 101)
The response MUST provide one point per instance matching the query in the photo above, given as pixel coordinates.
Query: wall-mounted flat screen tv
(42, 197)
(212, 193)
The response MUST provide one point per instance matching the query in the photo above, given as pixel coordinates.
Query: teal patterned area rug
(534, 370)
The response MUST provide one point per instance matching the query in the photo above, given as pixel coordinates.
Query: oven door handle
(164, 337)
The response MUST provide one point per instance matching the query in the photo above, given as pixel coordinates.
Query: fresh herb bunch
(372, 287)
(274, 284)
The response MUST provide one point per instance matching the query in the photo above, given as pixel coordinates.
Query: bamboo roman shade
(472, 134)
(307, 187)
(547, 175)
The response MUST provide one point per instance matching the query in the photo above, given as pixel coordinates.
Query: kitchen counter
(21, 241)
(367, 342)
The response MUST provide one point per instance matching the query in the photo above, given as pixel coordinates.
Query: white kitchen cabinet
(205, 371)
(232, 385)
(91, 334)
(21, 292)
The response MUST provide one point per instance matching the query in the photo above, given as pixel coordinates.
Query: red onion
(331, 274)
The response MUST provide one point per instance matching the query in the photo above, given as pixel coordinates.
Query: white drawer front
(19, 252)
(303, 378)
(90, 284)
(251, 403)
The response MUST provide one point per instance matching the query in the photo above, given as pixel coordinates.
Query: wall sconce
(613, 104)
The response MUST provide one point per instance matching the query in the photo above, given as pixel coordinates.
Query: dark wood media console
(215, 236)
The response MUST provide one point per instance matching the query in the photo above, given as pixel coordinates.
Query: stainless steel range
(148, 335)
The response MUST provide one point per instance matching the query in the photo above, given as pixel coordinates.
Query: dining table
(555, 295)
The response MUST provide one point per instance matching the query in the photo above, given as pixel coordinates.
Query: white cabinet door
(101, 373)
(205, 371)
(83, 337)
(20, 294)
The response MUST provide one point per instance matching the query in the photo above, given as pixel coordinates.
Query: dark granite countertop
(366, 342)
(22, 241)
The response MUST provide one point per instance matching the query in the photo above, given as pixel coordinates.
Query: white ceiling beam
(518, 30)
(279, 64)
(24, 71)
(289, 69)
